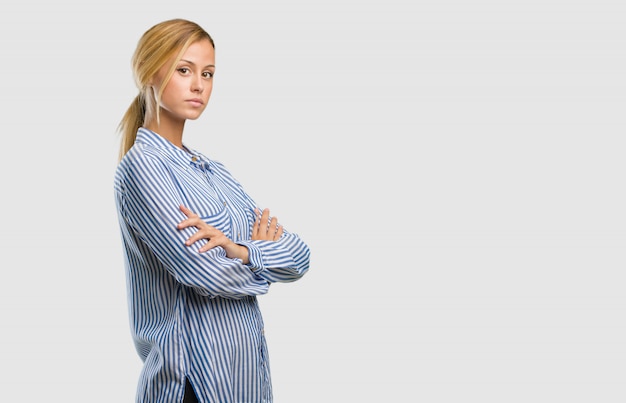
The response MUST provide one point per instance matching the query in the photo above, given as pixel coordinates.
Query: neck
(171, 130)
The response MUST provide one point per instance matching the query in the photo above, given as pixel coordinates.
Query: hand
(264, 228)
(213, 236)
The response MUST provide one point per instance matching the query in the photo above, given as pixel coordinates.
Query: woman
(197, 248)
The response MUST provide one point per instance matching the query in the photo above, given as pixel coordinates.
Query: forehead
(200, 53)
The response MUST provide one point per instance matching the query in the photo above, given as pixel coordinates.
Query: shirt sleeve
(151, 209)
(285, 260)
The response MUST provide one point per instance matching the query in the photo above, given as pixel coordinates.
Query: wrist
(245, 255)
(236, 251)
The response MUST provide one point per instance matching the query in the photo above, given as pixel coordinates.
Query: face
(187, 92)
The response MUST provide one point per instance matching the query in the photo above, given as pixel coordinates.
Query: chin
(194, 116)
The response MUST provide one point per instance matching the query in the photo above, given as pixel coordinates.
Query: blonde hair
(155, 48)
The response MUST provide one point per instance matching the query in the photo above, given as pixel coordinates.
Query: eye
(183, 70)
(207, 74)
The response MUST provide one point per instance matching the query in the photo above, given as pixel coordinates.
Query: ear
(152, 81)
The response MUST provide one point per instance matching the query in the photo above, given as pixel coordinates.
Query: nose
(197, 85)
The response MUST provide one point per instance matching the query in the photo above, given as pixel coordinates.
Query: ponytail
(131, 122)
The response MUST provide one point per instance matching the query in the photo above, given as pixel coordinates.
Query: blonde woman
(197, 248)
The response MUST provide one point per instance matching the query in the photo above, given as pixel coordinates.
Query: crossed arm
(264, 229)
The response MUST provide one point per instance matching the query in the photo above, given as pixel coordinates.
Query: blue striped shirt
(195, 315)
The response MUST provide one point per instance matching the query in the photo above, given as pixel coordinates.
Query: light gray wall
(456, 168)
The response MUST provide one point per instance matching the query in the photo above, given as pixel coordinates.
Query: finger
(279, 233)
(206, 247)
(265, 217)
(264, 225)
(186, 211)
(183, 224)
(190, 222)
(273, 224)
(217, 239)
(196, 237)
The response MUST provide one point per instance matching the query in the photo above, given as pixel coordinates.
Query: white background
(456, 167)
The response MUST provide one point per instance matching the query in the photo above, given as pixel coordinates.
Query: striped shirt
(195, 315)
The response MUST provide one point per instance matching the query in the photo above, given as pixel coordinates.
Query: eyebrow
(190, 62)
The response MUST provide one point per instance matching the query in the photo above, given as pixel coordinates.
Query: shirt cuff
(255, 256)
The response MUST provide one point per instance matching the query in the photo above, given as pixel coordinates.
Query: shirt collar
(190, 156)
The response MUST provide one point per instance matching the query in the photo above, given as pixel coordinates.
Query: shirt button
(194, 158)
(224, 203)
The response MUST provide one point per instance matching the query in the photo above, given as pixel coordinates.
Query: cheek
(167, 91)
(172, 92)
(208, 89)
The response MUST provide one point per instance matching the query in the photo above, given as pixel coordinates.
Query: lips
(195, 101)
